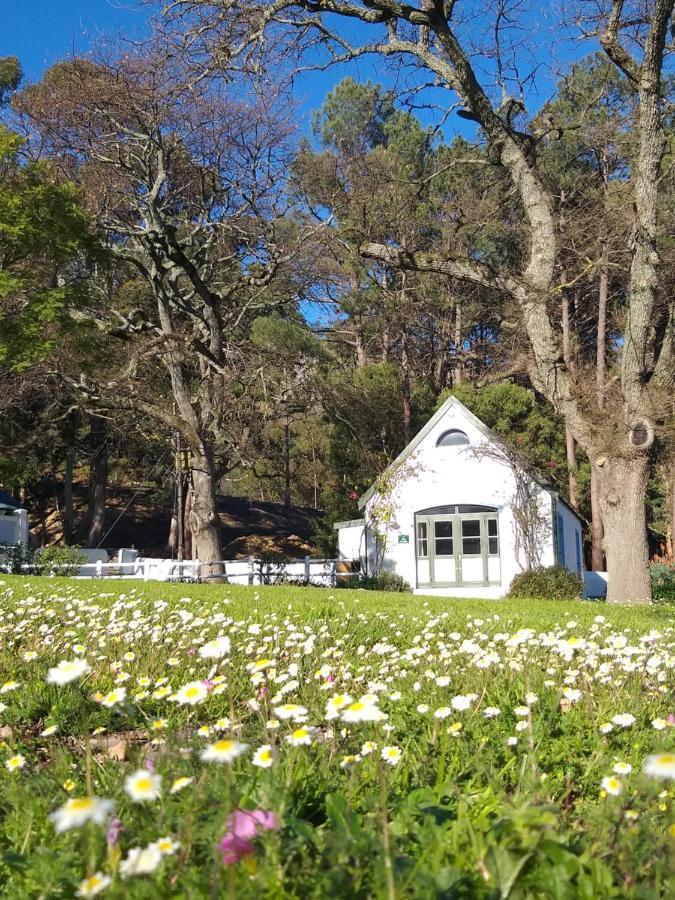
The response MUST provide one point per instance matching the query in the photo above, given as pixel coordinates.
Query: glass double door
(457, 550)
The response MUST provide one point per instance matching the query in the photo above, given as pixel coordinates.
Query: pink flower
(243, 827)
(670, 719)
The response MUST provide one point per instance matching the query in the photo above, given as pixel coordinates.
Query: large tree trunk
(672, 509)
(98, 480)
(204, 521)
(597, 530)
(622, 485)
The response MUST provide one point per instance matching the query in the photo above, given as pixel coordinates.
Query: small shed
(446, 516)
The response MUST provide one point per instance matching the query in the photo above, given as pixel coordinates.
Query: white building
(13, 521)
(449, 514)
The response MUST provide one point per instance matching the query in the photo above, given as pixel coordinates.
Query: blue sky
(40, 32)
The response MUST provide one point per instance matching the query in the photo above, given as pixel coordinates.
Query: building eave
(348, 523)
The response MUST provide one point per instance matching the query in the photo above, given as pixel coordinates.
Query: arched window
(452, 438)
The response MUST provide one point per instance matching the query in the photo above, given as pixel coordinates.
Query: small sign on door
(404, 538)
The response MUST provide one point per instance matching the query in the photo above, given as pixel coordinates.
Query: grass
(483, 766)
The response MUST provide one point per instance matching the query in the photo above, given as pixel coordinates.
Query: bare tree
(438, 39)
(182, 179)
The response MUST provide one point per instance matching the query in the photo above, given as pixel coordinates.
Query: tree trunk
(622, 485)
(458, 371)
(68, 507)
(405, 369)
(573, 486)
(287, 465)
(204, 521)
(361, 353)
(670, 547)
(98, 480)
(187, 532)
(597, 530)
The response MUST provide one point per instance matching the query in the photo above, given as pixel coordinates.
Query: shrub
(57, 561)
(552, 583)
(663, 581)
(385, 581)
(13, 557)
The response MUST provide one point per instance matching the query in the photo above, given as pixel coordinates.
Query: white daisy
(79, 810)
(143, 785)
(225, 751)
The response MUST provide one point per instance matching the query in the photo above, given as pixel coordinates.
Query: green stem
(386, 848)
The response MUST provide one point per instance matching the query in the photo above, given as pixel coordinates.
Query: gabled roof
(8, 502)
(488, 433)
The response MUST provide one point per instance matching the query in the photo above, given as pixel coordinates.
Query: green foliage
(43, 231)
(663, 581)
(57, 560)
(525, 421)
(385, 581)
(354, 116)
(548, 583)
(64, 561)
(11, 74)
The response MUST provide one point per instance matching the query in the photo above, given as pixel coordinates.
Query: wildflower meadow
(211, 741)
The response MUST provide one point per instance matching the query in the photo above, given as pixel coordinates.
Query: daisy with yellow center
(455, 729)
(166, 846)
(335, 703)
(611, 785)
(67, 671)
(159, 724)
(292, 711)
(9, 686)
(225, 751)
(260, 665)
(264, 756)
(362, 711)
(115, 697)
(80, 810)
(660, 765)
(15, 762)
(391, 755)
(180, 783)
(301, 737)
(143, 785)
(94, 885)
(161, 692)
(191, 693)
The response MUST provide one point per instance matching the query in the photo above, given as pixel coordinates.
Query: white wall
(457, 475)
(351, 541)
(572, 556)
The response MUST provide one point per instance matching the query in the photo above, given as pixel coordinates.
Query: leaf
(505, 867)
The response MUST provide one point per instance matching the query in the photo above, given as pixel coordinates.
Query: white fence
(319, 572)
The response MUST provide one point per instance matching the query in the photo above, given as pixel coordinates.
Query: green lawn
(392, 745)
